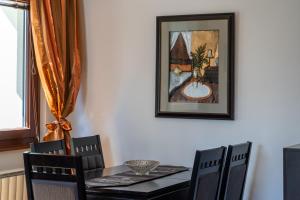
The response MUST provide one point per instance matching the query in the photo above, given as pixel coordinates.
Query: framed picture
(195, 66)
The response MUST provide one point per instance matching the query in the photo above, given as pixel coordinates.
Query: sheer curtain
(187, 36)
(173, 39)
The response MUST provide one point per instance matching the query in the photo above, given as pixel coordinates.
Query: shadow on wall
(105, 142)
(80, 121)
(255, 169)
(83, 57)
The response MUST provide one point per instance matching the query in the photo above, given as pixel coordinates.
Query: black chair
(207, 173)
(53, 183)
(235, 171)
(52, 147)
(91, 151)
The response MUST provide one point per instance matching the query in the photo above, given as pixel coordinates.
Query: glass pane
(12, 67)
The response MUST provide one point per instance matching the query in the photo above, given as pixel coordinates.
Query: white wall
(117, 96)
(11, 159)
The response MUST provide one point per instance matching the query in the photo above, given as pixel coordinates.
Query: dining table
(169, 187)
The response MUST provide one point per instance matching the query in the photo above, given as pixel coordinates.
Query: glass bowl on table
(142, 167)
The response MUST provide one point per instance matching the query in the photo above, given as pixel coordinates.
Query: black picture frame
(228, 107)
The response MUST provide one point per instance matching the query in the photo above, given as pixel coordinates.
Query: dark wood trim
(179, 192)
(173, 187)
(15, 144)
(33, 99)
(15, 4)
(285, 153)
(20, 138)
(231, 49)
(231, 65)
(15, 133)
(291, 165)
(28, 175)
(158, 113)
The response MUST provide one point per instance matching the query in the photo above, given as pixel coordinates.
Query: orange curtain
(55, 34)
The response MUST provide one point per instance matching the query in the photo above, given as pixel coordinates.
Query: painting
(195, 66)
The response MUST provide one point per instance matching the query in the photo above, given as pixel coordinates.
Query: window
(18, 80)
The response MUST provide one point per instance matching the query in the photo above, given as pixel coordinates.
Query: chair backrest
(52, 147)
(91, 151)
(206, 175)
(235, 171)
(53, 182)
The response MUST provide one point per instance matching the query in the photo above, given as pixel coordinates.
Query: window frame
(20, 138)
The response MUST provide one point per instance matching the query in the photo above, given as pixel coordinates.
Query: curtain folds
(55, 36)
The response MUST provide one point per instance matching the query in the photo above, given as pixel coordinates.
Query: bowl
(142, 167)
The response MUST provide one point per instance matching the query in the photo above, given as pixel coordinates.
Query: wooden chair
(52, 147)
(207, 173)
(53, 183)
(235, 171)
(91, 151)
